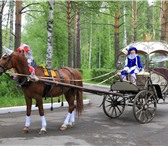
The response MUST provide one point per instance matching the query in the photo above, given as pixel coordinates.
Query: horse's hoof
(26, 129)
(43, 131)
(63, 127)
(70, 124)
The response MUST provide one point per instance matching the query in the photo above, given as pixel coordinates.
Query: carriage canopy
(152, 53)
(148, 47)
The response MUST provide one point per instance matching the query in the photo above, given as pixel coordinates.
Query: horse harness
(49, 87)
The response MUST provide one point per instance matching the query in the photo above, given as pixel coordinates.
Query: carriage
(151, 84)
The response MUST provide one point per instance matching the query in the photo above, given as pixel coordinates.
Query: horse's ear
(7, 51)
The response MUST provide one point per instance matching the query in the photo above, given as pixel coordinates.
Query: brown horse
(36, 89)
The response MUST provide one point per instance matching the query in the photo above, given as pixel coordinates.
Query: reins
(51, 78)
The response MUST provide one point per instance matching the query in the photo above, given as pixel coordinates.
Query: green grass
(11, 101)
(19, 101)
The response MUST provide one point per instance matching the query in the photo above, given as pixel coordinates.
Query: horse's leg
(70, 118)
(39, 101)
(28, 113)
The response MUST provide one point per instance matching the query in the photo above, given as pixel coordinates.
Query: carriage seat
(141, 78)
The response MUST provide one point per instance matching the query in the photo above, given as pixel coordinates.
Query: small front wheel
(144, 106)
(113, 106)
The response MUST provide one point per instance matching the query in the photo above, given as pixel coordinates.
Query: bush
(10, 95)
(102, 71)
(8, 87)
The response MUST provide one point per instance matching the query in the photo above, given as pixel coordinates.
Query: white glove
(29, 61)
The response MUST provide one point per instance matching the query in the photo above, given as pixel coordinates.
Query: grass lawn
(20, 100)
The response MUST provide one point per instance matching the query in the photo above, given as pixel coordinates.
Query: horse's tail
(79, 93)
(79, 101)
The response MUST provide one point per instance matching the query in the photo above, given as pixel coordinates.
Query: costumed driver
(132, 66)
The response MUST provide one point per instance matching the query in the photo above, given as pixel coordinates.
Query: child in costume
(132, 65)
(25, 50)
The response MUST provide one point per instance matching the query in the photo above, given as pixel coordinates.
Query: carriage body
(151, 83)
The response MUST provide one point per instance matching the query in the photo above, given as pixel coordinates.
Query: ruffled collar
(132, 56)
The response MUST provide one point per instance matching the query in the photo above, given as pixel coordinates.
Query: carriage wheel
(113, 106)
(144, 106)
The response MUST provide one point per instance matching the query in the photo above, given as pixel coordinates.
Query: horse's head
(5, 63)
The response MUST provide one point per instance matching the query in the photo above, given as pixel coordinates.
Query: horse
(35, 89)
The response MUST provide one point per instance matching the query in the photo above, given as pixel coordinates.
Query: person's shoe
(33, 77)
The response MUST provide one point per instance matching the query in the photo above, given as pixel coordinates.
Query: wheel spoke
(118, 109)
(137, 112)
(140, 115)
(113, 110)
(146, 115)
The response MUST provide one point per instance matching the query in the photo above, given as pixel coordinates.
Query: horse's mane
(20, 62)
(23, 60)
(20, 58)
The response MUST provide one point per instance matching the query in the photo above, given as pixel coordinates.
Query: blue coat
(133, 62)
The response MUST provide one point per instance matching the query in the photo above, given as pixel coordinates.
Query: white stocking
(27, 123)
(72, 118)
(67, 118)
(43, 122)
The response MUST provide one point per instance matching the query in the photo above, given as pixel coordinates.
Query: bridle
(4, 67)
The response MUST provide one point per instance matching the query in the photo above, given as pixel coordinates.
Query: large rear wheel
(144, 106)
(113, 106)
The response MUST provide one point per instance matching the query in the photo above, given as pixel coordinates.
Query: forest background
(81, 34)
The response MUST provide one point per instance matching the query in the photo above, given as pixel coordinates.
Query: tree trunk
(166, 39)
(69, 33)
(2, 4)
(116, 36)
(90, 45)
(109, 36)
(135, 13)
(50, 35)
(18, 23)
(77, 41)
(125, 31)
(11, 8)
(163, 20)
